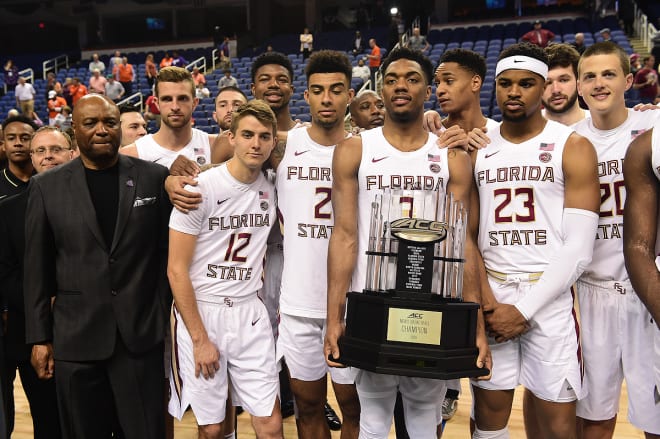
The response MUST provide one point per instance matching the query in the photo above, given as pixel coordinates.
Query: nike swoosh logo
(518, 60)
(375, 160)
(491, 154)
(254, 322)
(220, 202)
(157, 160)
(297, 153)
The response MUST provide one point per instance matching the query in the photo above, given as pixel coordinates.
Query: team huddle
(547, 206)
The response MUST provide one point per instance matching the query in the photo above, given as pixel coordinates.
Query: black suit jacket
(100, 292)
(12, 249)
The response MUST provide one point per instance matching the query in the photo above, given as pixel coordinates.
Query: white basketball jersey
(611, 145)
(383, 166)
(232, 224)
(197, 150)
(304, 186)
(521, 195)
(655, 163)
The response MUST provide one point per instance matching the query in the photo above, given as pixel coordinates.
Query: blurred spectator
(306, 43)
(11, 75)
(223, 54)
(201, 91)
(150, 70)
(374, 61)
(358, 44)
(66, 91)
(646, 81)
(25, 96)
(35, 118)
(361, 71)
(113, 89)
(539, 36)
(152, 112)
(96, 64)
(178, 60)
(115, 61)
(166, 61)
(635, 63)
(97, 82)
(55, 104)
(63, 119)
(77, 90)
(198, 77)
(418, 41)
(606, 34)
(124, 72)
(227, 80)
(53, 84)
(579, 43)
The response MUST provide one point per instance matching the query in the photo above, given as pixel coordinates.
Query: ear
(476, 83)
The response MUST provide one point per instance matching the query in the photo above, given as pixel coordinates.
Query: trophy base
(424, 337)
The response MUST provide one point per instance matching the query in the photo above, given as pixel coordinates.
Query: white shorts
(270, 292)
(617, 337)
(546, 358)
(422, 404)
(241, 331)
(300, 343)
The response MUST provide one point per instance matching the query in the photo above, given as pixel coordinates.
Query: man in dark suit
(49, 148)
(97, 240)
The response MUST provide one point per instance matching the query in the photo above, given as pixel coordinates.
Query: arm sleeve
(578, 225)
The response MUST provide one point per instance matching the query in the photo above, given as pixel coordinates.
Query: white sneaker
(449, 407)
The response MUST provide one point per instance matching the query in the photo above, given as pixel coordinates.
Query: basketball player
(641, 241)
(616, 328)
(367, 111)
(228, 99)
(560, 97)
(304, 184)
(458, 78)
(132, 124)
(538, 192)
(400, 146)
(215, 264)
(175, 95)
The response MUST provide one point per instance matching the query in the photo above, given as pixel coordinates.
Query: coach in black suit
(96, 237)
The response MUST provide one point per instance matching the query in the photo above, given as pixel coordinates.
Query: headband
(520, 62)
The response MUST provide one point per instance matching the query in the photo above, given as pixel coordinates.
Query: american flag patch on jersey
(547, 147)
(263, 195)
(198, 151)
(434, 158)
(635, 133)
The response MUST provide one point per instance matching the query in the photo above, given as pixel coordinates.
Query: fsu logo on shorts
(434, 167)
(264, 205)
(545, 157)
(201, 160)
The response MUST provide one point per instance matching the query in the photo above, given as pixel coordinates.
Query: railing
(55, 64)
(199, 63)
(214, 56)
(131, 100)
(644, 29)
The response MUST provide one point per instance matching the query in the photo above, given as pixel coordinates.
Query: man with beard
(106, 264)
(228, 100)
(560, 96)
(14, 177)
(175, 94)
(535, 236)
(367, 111)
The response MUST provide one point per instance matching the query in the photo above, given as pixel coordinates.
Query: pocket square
(144, 201)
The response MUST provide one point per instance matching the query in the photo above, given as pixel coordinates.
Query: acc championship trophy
(410, 319)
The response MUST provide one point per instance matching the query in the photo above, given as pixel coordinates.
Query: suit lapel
(127, 184)
(81, 198)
